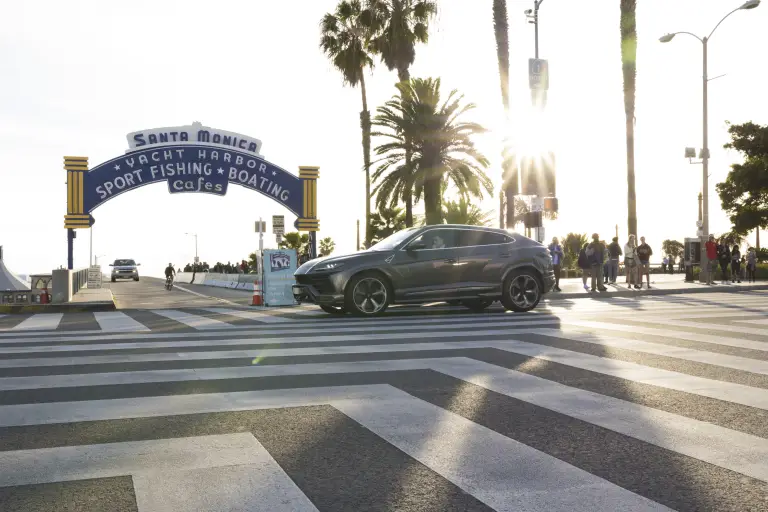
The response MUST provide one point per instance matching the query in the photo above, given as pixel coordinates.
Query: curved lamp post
(750, 4)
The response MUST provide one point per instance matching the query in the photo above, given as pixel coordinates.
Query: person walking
(751, 264)
(614, 252)
(724, 256)
(711, 248)
(605, 262)
(644, 253)
(596, 255)
(557, 261)
(630, 261)
(584, 265)
(735, 264)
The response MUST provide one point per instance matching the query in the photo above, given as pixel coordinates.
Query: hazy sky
(79, 75)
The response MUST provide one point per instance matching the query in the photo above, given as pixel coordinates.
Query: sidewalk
(661, 284)
(99, 299)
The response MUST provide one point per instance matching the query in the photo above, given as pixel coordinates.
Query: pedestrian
(664, 262)
(751, 264)
(644, 253)
(605, 262)
(614, 252)
(584, 265)
(724, 256)
(671, 264)
(630, 261)
(743, 267)
(596, 255)
(556, 251)
(711, 250)
(735, 264)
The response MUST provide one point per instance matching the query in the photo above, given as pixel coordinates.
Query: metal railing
(79, 280)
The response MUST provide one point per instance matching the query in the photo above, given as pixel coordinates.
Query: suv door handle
(452, 261)
(505, 254)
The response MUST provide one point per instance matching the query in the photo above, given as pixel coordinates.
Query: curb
(67, 307)
(653, 291)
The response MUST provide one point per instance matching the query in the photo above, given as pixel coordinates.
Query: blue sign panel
(279, 266)
(191, 168)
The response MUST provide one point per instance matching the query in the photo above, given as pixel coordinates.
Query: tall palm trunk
(501, 31)
(365, 125)
(433, 201)
(629, 70)
(404, 75)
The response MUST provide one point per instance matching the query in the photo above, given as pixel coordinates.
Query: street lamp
(97, 258)
(750, 4)
(194, 235)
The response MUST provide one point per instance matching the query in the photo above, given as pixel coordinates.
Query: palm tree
(629, 69)
(403, 23)
(464, 212)
(442, 145)
(501, 31)
(346, 40)
(327, 245)
(294, 240)
(386, 222)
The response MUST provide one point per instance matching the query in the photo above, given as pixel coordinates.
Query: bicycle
(169, 283)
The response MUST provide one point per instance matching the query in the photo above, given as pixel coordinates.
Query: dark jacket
(597, 250)
(614, 250)
(583, 259)
(644, 252)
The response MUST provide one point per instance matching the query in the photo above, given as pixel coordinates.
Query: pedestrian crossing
(655, 404)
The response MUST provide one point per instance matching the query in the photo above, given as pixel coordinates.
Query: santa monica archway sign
(190, 159)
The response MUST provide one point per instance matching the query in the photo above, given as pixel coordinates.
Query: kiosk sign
(279, 266)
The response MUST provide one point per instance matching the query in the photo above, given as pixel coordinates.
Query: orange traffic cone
(257, 298)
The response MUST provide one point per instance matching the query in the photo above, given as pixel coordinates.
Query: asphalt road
(150, 292)
(654, 403)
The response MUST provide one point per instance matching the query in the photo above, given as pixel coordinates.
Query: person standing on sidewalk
(735, 264)
(630, 261)
(614, 253)
(724, 255)
(584, 265)
(751, 264)
(596, 255)
(557, 261)
(711, 248)
(644, 253)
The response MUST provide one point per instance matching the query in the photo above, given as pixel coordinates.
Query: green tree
(403, 23)
(386, 222)
(571, 244)
(463, 212)
(501, 33)
(628, 28)
(731, 238)
(673, 248)
(744, 193)
(346, 40)
(442, 144)
(294, 240)
(327, 245)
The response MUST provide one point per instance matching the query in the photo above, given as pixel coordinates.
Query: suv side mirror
(138, 264)
(416, 246)
(111, 264)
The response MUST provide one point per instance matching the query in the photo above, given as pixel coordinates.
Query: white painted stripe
(726, 391)
(116, 321)
(686, 354)
(300, 327)
(737, 451)
(262, 486)
(666, 333)
(484, 463)
(758, 322)
(714, 327)
(258, 316)
(199, 322)
(42, 321)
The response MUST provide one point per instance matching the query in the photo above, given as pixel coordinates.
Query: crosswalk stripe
(42, 321)
(686, 354)
(763, 321)
(198, 322)
(115, 321)
(701, 338)
(250, 315)
(714, 327)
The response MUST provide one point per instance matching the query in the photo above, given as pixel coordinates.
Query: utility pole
(539, 97)
(357, 247)
(700, 198)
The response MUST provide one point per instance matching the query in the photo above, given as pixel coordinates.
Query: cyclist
(170, 273)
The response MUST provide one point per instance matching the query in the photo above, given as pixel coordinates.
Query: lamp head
(666, 38)
(750, 4)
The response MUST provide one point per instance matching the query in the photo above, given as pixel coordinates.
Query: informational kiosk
(190, 159)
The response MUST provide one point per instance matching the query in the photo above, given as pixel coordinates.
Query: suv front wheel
(522, 290)
(367, 294)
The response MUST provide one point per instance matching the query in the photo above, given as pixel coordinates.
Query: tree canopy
(744, 193)
(672, 248)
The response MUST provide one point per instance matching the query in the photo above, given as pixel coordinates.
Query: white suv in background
(125, 269)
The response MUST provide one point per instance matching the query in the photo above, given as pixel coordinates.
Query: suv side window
(476, 237)
(437, 239)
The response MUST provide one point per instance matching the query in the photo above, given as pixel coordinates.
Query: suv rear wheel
(367, 294)
(522, 290)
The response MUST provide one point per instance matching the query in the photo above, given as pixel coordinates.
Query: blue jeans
(613, 270)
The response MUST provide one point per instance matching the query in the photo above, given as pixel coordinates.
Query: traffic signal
(533, 220)
(550, 204)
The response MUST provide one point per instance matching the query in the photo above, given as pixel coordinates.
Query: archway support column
(309, 221)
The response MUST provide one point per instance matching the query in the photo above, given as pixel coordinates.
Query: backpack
(583, 263)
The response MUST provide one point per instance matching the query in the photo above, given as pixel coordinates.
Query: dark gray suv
(471, 265)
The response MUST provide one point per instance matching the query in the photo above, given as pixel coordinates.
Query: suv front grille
(322, 284)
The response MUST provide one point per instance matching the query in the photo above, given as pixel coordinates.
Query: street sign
(94, 276)
(261, 226)
(278, 224)
(538, 74)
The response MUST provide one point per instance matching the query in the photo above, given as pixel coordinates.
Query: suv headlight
(324, 267)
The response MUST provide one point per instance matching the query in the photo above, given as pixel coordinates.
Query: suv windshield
(124, 263)
(393, 241)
